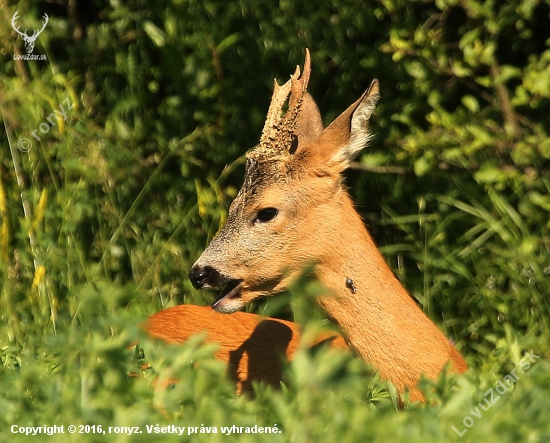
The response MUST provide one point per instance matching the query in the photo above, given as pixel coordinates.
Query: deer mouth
(232, 290)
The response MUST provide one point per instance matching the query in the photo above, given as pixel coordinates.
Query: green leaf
(156, 34)
(460, 69)
(507, 72)
(488, 174)
(468, 38)
(374, 159)
(227, 42)
(471, 103)
(422, 166)
(540, 200)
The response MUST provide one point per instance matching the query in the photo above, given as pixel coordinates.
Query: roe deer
(293, 210)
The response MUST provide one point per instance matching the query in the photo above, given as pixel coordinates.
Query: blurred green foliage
(101, 219)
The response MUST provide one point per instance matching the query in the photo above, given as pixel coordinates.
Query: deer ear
(346, 136)
(309, 124)
(359, 134)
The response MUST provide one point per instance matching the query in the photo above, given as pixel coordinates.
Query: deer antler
(277, 133)
(14, 18)
(37, 33)
(24, 34)
(28, 39)
(299, 86)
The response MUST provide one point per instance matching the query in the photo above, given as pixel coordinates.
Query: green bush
(103, 213)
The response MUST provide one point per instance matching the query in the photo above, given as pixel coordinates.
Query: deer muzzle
(207, 277)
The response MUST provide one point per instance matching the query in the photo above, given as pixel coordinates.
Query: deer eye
(265, 215)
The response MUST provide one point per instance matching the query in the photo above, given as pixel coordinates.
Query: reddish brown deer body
(292, 211)
(251, 345)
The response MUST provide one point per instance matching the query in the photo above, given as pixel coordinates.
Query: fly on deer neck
(350, 285)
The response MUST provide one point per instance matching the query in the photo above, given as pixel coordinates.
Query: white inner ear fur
(359, 133)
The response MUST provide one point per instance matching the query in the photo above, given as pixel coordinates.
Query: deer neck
(376, 314)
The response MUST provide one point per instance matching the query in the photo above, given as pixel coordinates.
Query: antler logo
(28, 39)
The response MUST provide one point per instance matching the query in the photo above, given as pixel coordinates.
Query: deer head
(292, 200)
(29, 40)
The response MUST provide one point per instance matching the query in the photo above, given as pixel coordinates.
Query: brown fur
(253, 346)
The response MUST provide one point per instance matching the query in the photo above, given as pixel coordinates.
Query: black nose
(204, 277)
